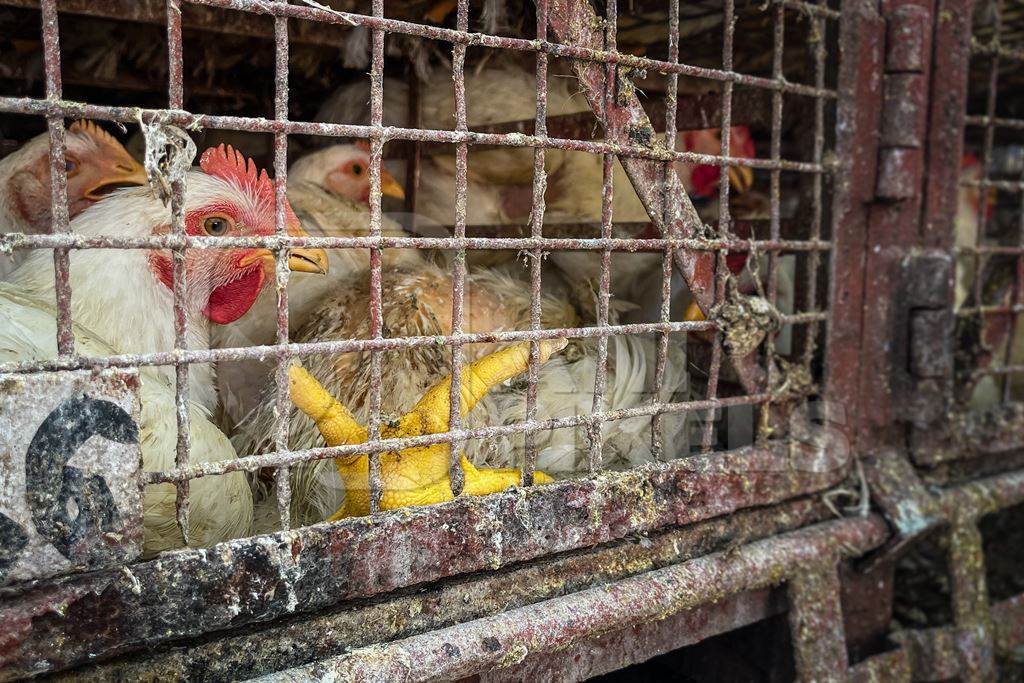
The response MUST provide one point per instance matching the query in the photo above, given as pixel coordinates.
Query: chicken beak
(741, 178)
(301, 260)
(693, 314)
(123, 174)
(389, 187)
(308, 261)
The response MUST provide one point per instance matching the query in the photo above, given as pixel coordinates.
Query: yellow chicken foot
(416, 475)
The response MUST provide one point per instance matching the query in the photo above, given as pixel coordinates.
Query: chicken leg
(417, 475)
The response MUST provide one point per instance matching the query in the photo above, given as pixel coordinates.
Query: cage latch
(924, 337)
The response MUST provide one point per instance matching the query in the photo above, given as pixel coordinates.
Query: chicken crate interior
(610, 327)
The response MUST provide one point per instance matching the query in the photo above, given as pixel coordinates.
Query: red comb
(231, 165)
(741, 143)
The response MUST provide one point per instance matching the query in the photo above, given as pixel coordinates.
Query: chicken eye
(357, 169)
(70, 166)
(215, 226)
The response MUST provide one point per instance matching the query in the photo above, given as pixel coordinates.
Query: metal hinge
(904, 103)
(924, 335)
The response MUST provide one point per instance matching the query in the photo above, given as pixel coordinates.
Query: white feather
(119, 307)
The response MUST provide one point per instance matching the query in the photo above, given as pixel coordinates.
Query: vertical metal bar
(175, 95)
(594, 429)
(376, 304)
(671, 103)
(721, 269)
(775, 201)
(816, 29)
(58, 177)
(540, 181)
(996, 6)
(816, 624)
(455, 474)
(970, 601)
(282, 402)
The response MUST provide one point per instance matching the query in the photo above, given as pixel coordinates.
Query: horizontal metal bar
(978, 498)
(18, 241)
(990, 249)
(467, 649)
(485, 40)
(183, 118)
(608, 653)
(811, 9)
(697, 111)
(253, 463)
(1004, 185)
(995, 48)
(152, 12)
(998, 370)
(302, 349)
(995, 121)
(210, 19)
(971, 311)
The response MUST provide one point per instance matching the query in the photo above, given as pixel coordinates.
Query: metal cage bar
(175, 96)
(537, 208)
(455, 474)
(283, 417)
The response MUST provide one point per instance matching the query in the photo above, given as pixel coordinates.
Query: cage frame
(791, 544)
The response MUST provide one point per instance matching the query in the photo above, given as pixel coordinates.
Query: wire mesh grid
(990, 229)
(700, 254)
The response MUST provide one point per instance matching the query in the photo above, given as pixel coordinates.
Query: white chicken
(499, 180)
(96, 164)
(122, 303)
(344, 170)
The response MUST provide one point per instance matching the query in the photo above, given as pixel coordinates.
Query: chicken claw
(417, 475)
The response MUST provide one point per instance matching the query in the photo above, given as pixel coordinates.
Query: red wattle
(735, 260)
(230, 302)
(704, 179)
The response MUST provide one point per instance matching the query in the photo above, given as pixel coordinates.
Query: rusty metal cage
(604, 568)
